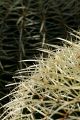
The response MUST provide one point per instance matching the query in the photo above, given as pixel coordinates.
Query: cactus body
(50, 89)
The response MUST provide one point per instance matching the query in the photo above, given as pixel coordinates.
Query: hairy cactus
(49, 89)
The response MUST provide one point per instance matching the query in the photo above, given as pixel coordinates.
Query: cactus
(49, 89)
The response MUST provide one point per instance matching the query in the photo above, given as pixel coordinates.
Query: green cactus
(49, 89)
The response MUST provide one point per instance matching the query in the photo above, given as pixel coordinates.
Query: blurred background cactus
(26, 25)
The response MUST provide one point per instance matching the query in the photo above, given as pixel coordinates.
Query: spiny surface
(49, 90)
